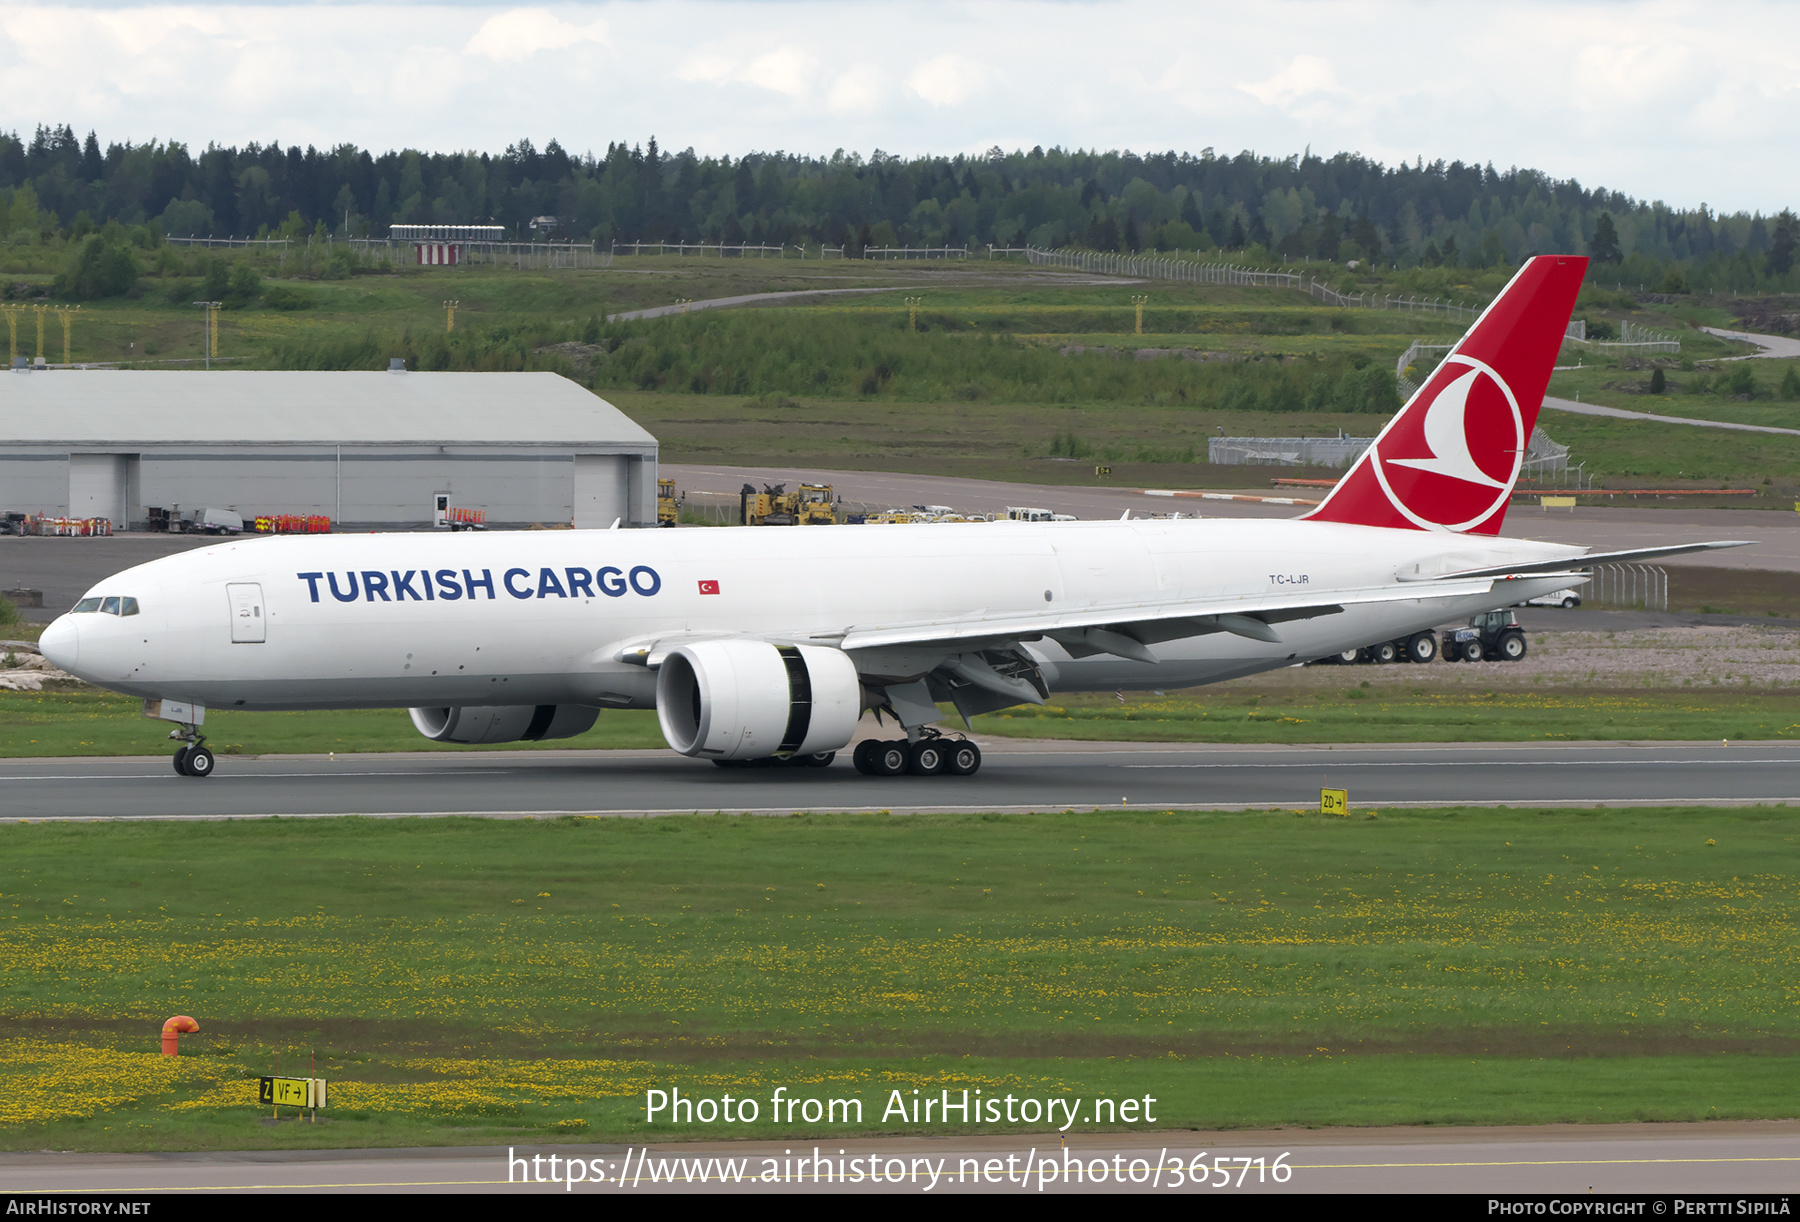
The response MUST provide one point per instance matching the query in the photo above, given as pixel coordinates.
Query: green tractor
(1492, 637)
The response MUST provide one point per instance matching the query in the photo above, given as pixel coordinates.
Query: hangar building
(369, 450)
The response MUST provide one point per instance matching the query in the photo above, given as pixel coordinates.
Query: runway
(1021, 776)
(1574, 1160)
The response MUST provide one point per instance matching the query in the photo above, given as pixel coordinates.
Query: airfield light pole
(450, 315)
(39, 311)
(1140, 302)
(209, 331)
(912, 312)
(12, 330)
(67, 314)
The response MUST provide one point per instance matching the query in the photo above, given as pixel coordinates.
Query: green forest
(57, 187)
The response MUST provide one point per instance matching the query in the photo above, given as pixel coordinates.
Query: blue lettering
(312, 583)
(512, 589)
(610, 580)
(579, 583)
(655, 581)
(403, 587)
(375, 583)
(548, 584)
(343, 598)
(425, 580)
(486, 582)
(446, 579)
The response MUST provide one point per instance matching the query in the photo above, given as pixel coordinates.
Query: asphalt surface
(1602, 527)
(1573, 1160)
(1015, 776)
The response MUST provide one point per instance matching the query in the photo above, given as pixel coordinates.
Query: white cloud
(1306, 77)
(521, 33)
(859, 91)
(948, 80)
(788, 71)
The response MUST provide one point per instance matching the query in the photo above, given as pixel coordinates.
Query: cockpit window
(109, 606)
(87, 604)
(128, 606)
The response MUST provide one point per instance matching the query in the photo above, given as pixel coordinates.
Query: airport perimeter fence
(1643, 587)
(400, 252)
(1286, 451)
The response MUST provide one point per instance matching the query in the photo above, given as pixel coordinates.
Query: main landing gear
(192, 758)
(932, 755)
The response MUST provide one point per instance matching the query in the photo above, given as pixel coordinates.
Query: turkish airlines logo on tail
(1452, 464)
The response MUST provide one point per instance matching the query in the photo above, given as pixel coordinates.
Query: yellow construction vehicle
(667, 511)
(776, 506)
(813, 506)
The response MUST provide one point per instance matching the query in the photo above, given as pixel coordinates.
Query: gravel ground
(1709, 655)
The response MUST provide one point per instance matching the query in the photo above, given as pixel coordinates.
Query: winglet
(1449, 459)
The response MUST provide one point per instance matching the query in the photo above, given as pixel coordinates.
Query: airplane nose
(61, 643)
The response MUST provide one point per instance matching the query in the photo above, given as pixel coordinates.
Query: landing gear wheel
(864, 756)
(1471, 651)
(1510, 646)
(1421, 647)
(964, 759)
(199, 762)
(1349, 657)
(927, 757)
(1384, 652)
(180, 761)
(820, 759)
(891, 758)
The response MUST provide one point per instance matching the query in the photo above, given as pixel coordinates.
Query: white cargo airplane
(756, 644)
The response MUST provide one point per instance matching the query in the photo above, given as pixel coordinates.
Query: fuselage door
(247, 616)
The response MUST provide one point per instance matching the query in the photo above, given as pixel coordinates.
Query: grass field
(983, 386)
(467, 982)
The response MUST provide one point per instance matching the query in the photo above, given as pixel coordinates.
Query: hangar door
(602, 491)
(100, 486)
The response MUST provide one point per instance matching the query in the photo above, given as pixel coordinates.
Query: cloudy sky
(1685, 102)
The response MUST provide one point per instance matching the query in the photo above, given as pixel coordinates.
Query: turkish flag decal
(709, 587)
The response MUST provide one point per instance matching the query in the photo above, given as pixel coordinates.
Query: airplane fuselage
(398, 620)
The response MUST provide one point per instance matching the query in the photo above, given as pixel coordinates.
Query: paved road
(1015, 776)
(720, 303)
(1577, 1160)
(1781, 347)
(1595, 409)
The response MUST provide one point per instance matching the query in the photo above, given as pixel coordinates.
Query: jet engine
(505, 723)
(730, 700)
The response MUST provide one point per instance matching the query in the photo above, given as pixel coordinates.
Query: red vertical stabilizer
(1449, 460)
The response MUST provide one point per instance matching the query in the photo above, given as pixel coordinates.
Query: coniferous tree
(1781, 250)
(1604, 248)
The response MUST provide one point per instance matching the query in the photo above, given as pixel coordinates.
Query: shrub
(98, 268)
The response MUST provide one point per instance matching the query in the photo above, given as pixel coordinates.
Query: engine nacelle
(734, 700)
(505, 723)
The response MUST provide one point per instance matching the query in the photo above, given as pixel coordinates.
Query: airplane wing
(1573, 564)
(1143, 621)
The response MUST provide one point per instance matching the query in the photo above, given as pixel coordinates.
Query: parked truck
(809, 505)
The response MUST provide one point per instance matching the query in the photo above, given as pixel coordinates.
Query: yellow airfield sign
(293, 1092)
(1334, 802)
